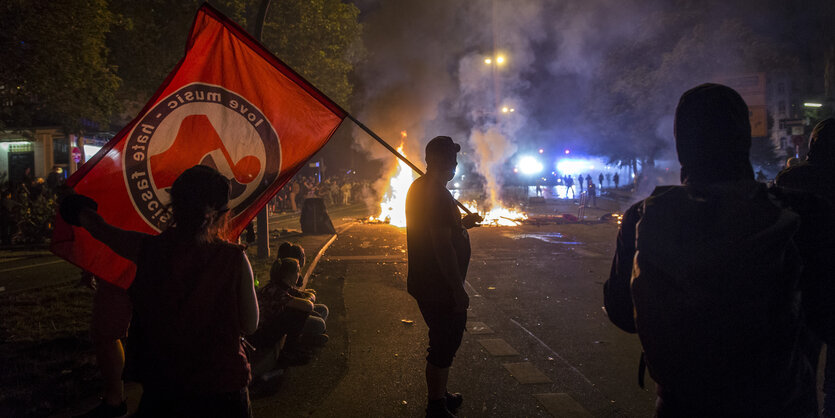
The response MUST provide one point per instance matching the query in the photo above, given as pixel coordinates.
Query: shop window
(21, 147)
(60, 151)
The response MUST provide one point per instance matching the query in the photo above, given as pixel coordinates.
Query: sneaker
(438, 409)
(105, 410)
(453, 401)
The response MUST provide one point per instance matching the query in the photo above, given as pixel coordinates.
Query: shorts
(111, 312)
(446, 329)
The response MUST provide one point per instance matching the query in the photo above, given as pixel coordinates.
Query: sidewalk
(312, 244)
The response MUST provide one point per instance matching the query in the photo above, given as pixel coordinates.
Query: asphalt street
(538, 342)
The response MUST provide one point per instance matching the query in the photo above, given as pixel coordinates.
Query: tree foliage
(63, 61)
(317, 38)
(54, 66)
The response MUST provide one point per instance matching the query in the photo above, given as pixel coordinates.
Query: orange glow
(393, 206)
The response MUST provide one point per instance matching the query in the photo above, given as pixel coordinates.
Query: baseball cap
(442, 145)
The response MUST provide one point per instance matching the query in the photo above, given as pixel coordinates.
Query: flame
(498, 215)
(393, 206)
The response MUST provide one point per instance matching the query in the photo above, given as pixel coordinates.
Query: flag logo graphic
(199, 124)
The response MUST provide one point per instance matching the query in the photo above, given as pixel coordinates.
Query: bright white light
(500, 60)
(541, 150)
(488, 61)
(530, 165)
(812, 104)
(567, 152)
(456, 185)
(505, 109)
(573, 166)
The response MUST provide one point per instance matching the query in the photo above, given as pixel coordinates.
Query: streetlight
(499, 60)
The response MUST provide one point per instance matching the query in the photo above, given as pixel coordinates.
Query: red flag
(229, 104)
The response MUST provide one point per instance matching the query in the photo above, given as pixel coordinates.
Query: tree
(320, 39)
(54, 63)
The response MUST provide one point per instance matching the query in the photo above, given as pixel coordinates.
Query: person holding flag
(192, 289)
(439, 253)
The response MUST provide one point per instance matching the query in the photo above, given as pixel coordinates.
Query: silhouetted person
(616, 179)
(55, 178)
(589, 183)
(592, 189)
(600, 180)
(191, 290)
(817, 175)
(439, 253)
(569, 187)
(580, 180)
(708, 275)
(108, 327)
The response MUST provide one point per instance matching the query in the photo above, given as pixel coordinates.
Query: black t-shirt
(430, 205)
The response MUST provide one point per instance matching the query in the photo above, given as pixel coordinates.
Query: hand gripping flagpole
(396, 154)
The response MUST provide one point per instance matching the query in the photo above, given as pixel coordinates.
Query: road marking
(475, 292)
(477, 328)
(526, 373)
(6, 260)
(562, 405)
(32, 265)
(378, 257)
(322, 251)
(579, 373)
(498, 347)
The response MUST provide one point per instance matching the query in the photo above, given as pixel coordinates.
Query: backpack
(715, 292)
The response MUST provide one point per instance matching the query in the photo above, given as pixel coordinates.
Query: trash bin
(314, 218)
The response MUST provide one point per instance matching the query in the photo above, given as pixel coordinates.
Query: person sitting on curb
(295, 251)
(282, 316)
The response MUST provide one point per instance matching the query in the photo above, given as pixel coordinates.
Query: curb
(309, 271)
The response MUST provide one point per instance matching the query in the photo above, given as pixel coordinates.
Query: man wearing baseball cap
(439, 253)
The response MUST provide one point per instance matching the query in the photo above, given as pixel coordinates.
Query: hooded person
(707, 275)
(816, 175)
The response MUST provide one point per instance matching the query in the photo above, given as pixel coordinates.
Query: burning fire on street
(393, 204)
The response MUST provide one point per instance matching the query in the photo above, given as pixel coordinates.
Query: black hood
(713, 135)
(822, 143)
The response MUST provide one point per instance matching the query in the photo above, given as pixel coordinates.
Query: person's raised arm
(247, 300)
(123, 242)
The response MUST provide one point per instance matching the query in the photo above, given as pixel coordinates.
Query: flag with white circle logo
(228, 104)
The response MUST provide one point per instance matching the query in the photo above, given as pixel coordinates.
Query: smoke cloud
(598, 77)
